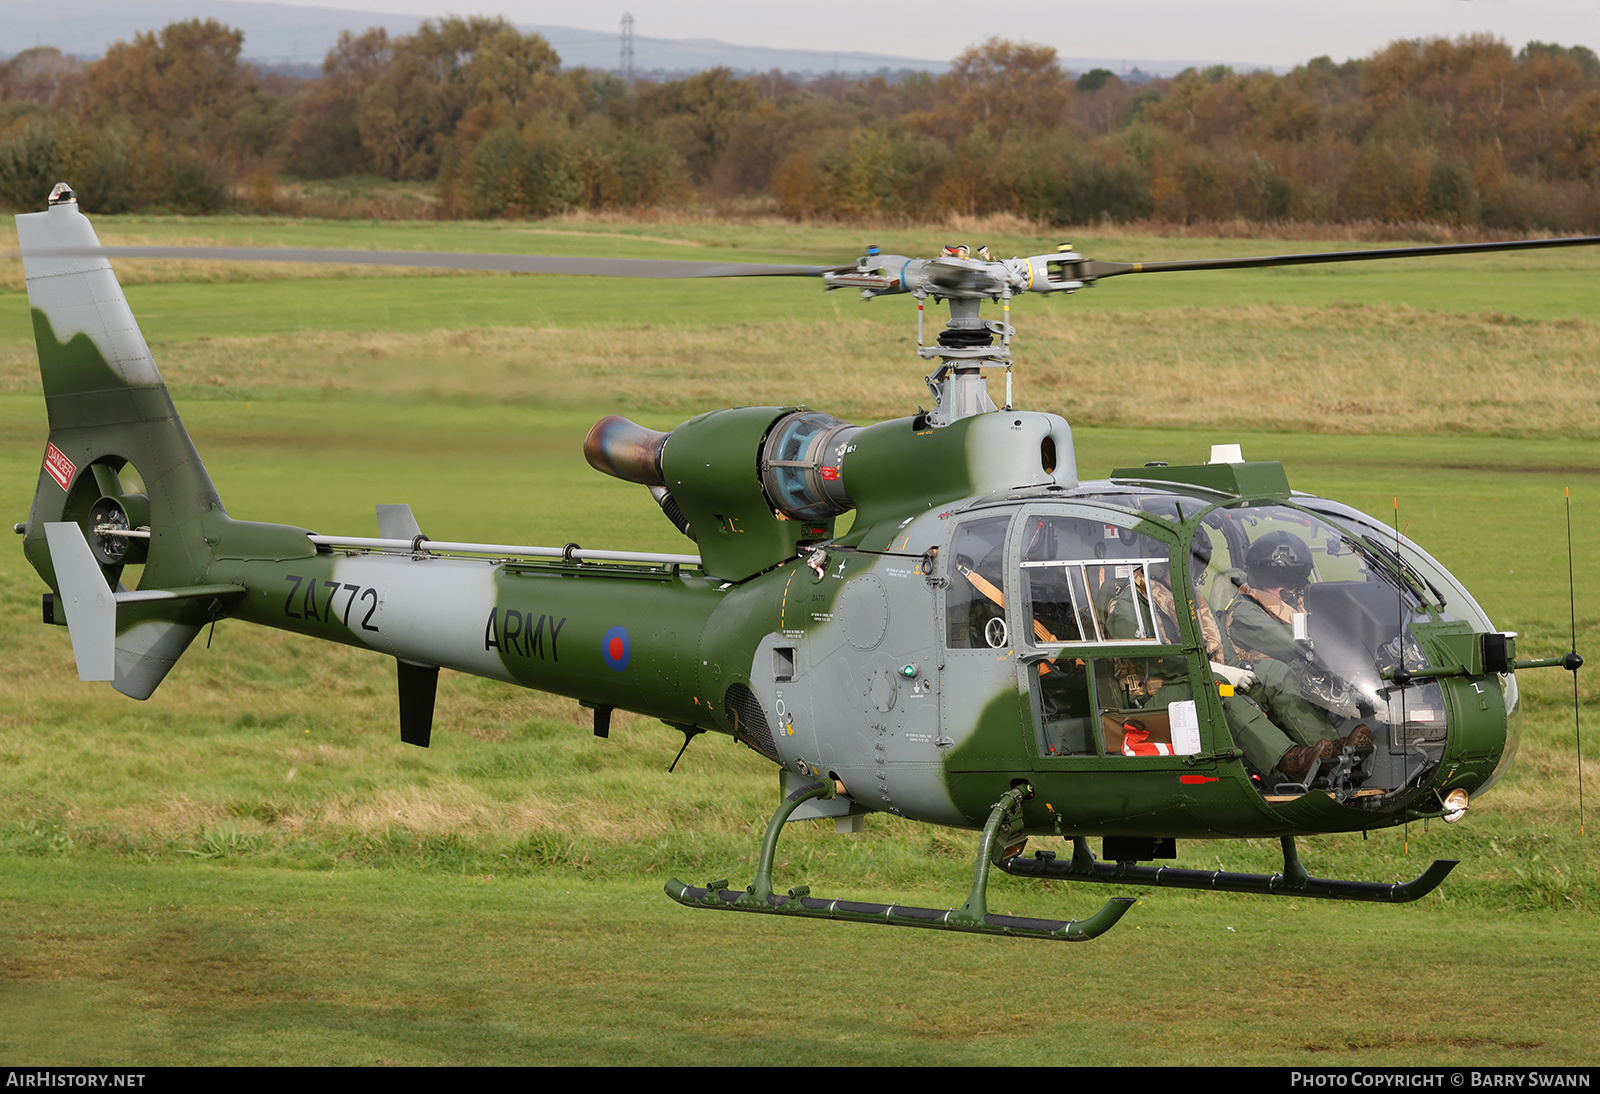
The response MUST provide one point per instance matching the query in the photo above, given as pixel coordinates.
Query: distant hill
(292, 36)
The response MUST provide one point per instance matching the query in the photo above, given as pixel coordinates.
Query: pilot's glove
(1329, 691)
(1241, 679)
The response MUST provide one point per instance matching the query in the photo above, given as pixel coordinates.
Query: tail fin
(109, 410)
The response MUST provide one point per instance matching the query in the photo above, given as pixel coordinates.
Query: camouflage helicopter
(1195, 652)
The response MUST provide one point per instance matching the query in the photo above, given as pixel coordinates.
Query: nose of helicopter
(1484, 730)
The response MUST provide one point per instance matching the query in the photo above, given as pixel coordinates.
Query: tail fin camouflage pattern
(117, 457)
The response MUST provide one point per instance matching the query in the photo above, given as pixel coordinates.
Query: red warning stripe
(1193, 779)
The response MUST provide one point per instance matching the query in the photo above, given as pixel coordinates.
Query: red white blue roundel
(616, 648)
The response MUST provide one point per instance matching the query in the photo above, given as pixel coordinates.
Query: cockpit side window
(975, 614)
(1110, 706)
(1090, 582)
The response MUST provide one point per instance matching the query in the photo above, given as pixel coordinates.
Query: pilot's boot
(1359, 738)
(1296, 762)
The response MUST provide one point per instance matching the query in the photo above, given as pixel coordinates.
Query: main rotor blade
(1098, 268)
(439, 260)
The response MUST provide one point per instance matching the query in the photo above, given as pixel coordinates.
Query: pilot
(1260, 624)
(1166, 679)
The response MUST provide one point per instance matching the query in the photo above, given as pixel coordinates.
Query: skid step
(800, 903)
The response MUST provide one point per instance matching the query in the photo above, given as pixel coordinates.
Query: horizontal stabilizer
(149, 645)
(182, 592)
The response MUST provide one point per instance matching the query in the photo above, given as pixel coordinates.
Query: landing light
(1455, 805)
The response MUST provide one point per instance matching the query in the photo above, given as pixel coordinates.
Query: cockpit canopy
(1322, 604)
(1288, 586)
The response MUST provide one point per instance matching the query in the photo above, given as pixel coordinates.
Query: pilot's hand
(1241, 679)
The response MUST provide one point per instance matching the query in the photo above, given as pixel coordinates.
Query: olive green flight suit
(1261, 630)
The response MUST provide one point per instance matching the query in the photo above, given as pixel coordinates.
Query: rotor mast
(968, 343)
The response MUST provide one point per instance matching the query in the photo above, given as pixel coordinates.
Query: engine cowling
(756, 485)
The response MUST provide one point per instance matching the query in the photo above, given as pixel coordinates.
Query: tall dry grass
(1340, 369)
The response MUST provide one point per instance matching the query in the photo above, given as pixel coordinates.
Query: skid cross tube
(972, 917)
(1294, 881)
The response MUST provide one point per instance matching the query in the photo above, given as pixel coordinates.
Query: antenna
(1400, 655)
(1573, 661)
(626, 58)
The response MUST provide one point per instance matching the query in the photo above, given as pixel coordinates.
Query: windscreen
(1321, 612)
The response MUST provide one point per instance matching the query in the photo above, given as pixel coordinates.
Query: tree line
(1461, 132)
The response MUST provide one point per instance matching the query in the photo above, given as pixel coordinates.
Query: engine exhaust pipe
(626, 450)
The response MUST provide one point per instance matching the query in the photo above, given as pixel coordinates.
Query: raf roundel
(616, 648)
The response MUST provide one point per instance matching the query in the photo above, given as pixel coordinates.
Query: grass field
(249, 868)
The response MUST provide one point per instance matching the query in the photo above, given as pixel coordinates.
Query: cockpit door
(1106, 667)
(982, 713)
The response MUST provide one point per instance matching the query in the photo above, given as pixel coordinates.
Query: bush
(190, 185)
(1531, 205)
(1452, 195)
(534, 173)
(1096, 189)
(30, 165)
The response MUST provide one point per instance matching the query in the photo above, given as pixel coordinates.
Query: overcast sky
(1281, 33)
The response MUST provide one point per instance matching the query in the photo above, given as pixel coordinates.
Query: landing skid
(1294, 881)
(799, 903)
(973, 917)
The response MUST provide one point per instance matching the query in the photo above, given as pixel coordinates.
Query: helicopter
(1175, 652)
